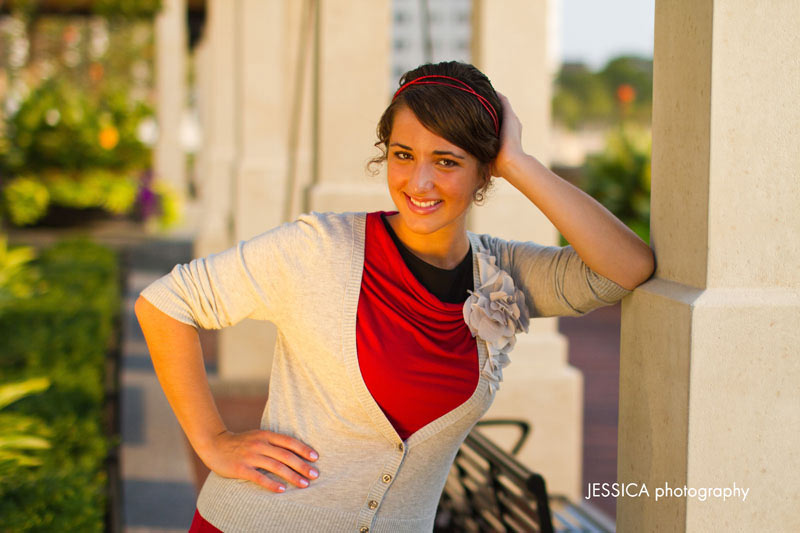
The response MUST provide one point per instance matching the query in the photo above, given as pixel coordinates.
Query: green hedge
(64, 332)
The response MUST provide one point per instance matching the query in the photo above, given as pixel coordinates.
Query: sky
(593, 31)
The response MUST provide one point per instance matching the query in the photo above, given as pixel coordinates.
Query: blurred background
(138, 134)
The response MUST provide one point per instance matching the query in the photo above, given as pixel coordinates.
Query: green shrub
(17, 276)
(59, 126)
(106, 8)
(68, 148)
(95, 188)
(127, 8)
(20, 436)
(26, 200)
(619, 177)
(64, 332)
(64, 148)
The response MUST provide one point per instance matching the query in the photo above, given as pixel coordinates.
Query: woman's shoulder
(304, 247)
(314, 226)
(333, 220)
(497, 245)
(514, 255)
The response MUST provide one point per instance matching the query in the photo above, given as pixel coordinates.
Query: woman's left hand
(511, 151)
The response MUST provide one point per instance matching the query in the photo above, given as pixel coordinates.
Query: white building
(426, 31)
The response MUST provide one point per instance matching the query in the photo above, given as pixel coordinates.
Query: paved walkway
(158, 486)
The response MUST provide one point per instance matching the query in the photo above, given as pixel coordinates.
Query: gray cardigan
(305, 277)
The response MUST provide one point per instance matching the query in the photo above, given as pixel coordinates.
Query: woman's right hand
(178, 361)
(239, 455)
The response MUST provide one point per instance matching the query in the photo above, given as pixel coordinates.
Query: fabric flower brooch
(496, 312)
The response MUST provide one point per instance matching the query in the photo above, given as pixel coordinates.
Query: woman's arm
(602, 241)
(178, 361)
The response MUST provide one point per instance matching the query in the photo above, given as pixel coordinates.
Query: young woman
(393, 327)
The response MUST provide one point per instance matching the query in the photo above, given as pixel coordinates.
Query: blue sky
(594, 31)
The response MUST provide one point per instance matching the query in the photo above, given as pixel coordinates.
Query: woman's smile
(423, 206)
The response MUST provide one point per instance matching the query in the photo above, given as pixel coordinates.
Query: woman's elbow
(640, 267)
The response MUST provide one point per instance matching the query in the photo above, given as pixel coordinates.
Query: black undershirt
(449, 286)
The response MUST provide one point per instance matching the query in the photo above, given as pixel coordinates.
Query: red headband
(463, 87)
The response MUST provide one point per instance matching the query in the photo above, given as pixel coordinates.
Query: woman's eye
(447, 163)
(402, 155)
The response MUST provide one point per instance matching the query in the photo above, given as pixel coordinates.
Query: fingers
(280, 469)
(253, 475)
(285, 441)
(287, 464)
(508, 111)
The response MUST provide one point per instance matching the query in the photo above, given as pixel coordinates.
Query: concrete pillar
(262, 98)
(263, 56)
(216, 69)
(709, 368)
(539, 385)
(169, 158)
(353, 66)
(300, 80)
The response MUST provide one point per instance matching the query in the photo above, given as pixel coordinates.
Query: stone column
(709, 378)
(262, 54)
(171, 48)
(217, 96)
(353, 66)
(510, 44)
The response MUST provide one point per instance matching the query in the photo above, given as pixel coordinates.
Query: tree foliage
(619, 177)
(622, 90)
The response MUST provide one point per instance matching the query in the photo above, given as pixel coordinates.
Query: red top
(416, 354)
(201, 525)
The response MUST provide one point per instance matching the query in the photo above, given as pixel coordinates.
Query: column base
(246, 350)
(708, 398)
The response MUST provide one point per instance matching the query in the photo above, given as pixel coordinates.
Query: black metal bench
(488, 490)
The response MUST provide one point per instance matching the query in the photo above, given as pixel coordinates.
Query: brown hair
(454, 115)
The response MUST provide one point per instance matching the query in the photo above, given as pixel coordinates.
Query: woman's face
(431, 181)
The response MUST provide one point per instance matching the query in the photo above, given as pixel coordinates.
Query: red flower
(96, 71)
(625, 93)
(70, 34)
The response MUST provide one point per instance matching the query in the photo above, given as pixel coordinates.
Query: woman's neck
(444, 248)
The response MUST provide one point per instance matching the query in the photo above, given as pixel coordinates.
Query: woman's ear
(479, 195)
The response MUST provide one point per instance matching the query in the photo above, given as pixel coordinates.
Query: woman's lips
(422, 210)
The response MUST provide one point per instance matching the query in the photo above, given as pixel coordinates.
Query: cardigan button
(364, 529)
(372, 504)
(400, 446)
(386, 478)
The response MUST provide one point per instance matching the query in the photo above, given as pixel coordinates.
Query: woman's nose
(422, 179)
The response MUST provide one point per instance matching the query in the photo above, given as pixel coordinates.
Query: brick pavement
(594, 349)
